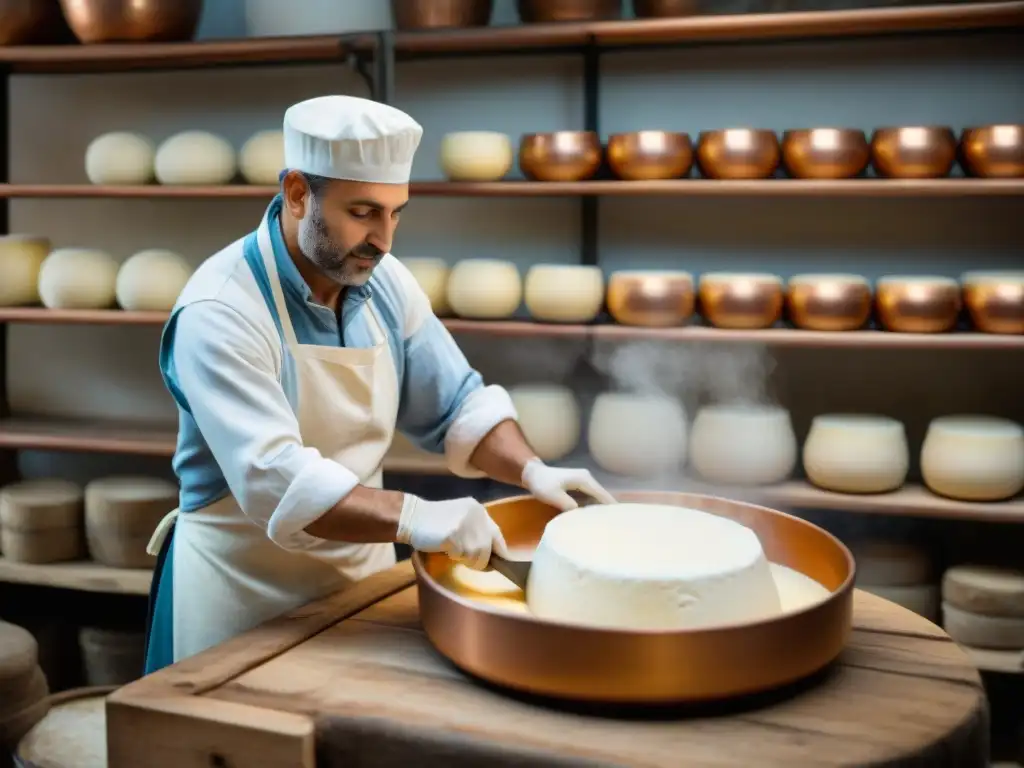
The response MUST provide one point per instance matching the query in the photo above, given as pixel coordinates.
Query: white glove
(551, 485)
(461, 528)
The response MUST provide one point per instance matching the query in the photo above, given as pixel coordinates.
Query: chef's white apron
(228, 576)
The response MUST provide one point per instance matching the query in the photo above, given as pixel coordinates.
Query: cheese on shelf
(549, 416)
(743, 444)
(978, 631)
(432, 277)
(564, 293)
(973, 458)
(922, 599)
(261, 158)
(21, 257)
(121, 514)
(151, 280)
(647, 566)
(485, 289)
(883, 563)
(476, 155)
(985, 590)
(120, 158)
(637, 435)
(195, 157)
(856, 453)
(78, 278)
(41, 521)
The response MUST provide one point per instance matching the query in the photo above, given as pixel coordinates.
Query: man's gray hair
(317, 184)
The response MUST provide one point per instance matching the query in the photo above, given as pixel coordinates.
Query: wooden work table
(351, 680)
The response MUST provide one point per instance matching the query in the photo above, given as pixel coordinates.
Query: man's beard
(332, 258)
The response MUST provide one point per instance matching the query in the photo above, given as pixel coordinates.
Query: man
(293, 354)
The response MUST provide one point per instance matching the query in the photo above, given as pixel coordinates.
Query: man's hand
(551, 485)
(460, 528)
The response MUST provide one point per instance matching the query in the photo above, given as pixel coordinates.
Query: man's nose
(382, 235)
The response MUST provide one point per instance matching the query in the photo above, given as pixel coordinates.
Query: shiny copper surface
(995, 151)
(740, 300)
(647, 155)
(31, 22)
(560, 156)
(828, 302)
(995, 301)
(651, 299)
(662, 9)
(918, 305)
(571, 662)
(539, 11)
(441, 14)
(913, 151)
(112, 21)
(825, 153)
(738, 153)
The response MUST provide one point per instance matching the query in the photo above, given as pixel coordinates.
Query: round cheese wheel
(549, 416)
(195, 157)
(432, 276)
(649, 567)
(72, 734)
(856, 454)
(743, 444)
(476, 155)
(985, 590)
(19, 654)
(78, 278)
(564, 293)
(973, 458)
(922, 599)
(978, 631)
(41, 505)
(120, 158)
(261, 158)
(484, 289)
(152, 280)
(890, 564)
(637, 435)
(121, 514)
(21, 257)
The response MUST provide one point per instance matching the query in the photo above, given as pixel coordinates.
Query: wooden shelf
(43, 316)
(48, 434)
(83, 575)
(693, 187)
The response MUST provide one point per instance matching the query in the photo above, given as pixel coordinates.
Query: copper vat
(571, 662)
(648, 155)
(664, 9)
(441, 14)
(993, 151)
(908, 304)
(739, 300)
(828, 302)
(651, 299)
(32, 22)
(560, 156)
(995, 301)
(825, 153)
(541, 11)
(913, 152)
(738, 153)
(135, 21)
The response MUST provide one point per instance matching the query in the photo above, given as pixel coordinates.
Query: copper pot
(540, 11)
(828, 302)
(825, 153)
(560, 156)
(913, 152)
(908, 304)
(995, 301)
(741, 301)
(652, 299)
(32, 22)
(993, 151)
(441, 14)
(738, 153)
(646, 155)
(134, 21)
(663, 9)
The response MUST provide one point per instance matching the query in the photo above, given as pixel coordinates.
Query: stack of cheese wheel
(121, 514)
(549, 416)
(484, 289)
(476, 155)
(432, 277)
(983, 607)
(151, 280)
(856, 454)
(261, 158)
(973, 458)
(23, 686)
(110, 656)
(564, 293)
(41, 521)
(21, 258)
(899, 572)
(743, 444)
(195, 158)
(78, 278)
(120, 158)
(638, 435)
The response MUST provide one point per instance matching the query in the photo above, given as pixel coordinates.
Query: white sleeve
(227, 371)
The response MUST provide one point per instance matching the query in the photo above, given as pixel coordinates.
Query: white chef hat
(345, 137)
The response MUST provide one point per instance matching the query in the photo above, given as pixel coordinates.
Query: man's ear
(295, 194)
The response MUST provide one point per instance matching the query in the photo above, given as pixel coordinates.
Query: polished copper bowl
(993, 151)
(32, 22)
(651, 299)
(648, 155)
(525, 653)
(738, 153)
(541, 11)
(918, 304)
(740, 300)
(913, 152)
(560, 156)
(825, 153)
(828, 302)
(136, 21)
(664, 9)
(441, 14)
(995, 301)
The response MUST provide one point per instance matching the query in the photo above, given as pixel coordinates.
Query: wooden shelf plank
(82, 575)
(44, 316)
(50, 434)
(146, 191)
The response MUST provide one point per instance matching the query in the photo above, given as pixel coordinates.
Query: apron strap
(266, 247)
(156, 541)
